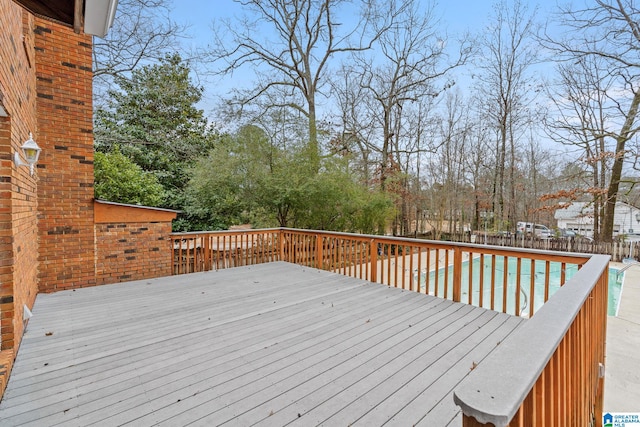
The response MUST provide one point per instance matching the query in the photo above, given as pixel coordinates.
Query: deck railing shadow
(550, 372)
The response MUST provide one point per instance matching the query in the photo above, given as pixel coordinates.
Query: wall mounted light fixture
(31, 152)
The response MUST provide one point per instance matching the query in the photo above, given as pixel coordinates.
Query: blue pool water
(615, 289)
(615, 283)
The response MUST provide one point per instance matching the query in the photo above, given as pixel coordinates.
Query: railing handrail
(544, 255)
(221, 232)
(496, 389)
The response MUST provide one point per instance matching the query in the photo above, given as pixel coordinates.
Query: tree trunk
(385, 150)
(598, 168)
(314, 149)
(616, 171)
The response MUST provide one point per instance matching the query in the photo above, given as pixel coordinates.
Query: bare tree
(410, 61)
(399, 80)
(582, 104)
(539, 175)
(479, 162)
(356, 119)
(360, 116)
(506, 80)
(290, 45)
(142, 32)
(608, 30)
(420, 125)
(455, 132)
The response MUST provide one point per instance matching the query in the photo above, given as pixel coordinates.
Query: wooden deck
(270, 344)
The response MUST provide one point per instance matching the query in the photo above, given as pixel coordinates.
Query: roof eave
(98, 16)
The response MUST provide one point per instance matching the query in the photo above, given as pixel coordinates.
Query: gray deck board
(271, 344)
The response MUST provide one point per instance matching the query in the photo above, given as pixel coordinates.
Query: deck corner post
(457, 274)
(207, 252)
(373, 256)
(281, 244)
(319, 242)
(172, 250)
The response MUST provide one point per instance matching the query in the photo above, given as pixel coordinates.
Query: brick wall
(132, 251)
(132, 242)
(18, 198)
(48, 237)
(65, 189)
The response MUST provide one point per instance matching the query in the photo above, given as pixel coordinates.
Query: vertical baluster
(532, 288)
(427, 274)
(226, 256)
(335, 254)
(190, 256)
(470, 279)
(457, 274)
(481, 284)
(411, 280)
(395, 265)
(373, 256)
(446, 274)
(518, 275)
(360, 259)
(505, 282)
(353, 267)
(388, 259)
(177, 255)
(436, 272)
(547, 274)
(493, 281)
(419, 281)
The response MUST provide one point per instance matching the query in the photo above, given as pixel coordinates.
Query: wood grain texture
(268, 344)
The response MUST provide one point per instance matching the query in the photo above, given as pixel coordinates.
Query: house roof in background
(582, 209)
(574, 210)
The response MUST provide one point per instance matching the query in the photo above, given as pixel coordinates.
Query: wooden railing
(215, 250)
(618, 250)
(511, 280)
(549, 372)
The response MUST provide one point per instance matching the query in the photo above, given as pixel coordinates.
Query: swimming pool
(555, 273)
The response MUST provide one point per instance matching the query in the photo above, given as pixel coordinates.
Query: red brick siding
(65, 190)
(48, 240)
(18, 201)
(18, 208)
(132, 251)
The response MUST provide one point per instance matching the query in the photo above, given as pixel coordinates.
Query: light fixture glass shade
(31, 150)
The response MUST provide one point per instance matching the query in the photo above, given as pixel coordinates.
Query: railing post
(281, 243)
(319, 241)
(173, 255)
(373, 256)
(457, 274)
(207, 252)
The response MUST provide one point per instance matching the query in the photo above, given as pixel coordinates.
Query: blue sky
(457, 16)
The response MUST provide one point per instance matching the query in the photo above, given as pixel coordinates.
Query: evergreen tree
(154, 119)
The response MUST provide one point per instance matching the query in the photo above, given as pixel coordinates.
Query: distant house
(579, 218)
